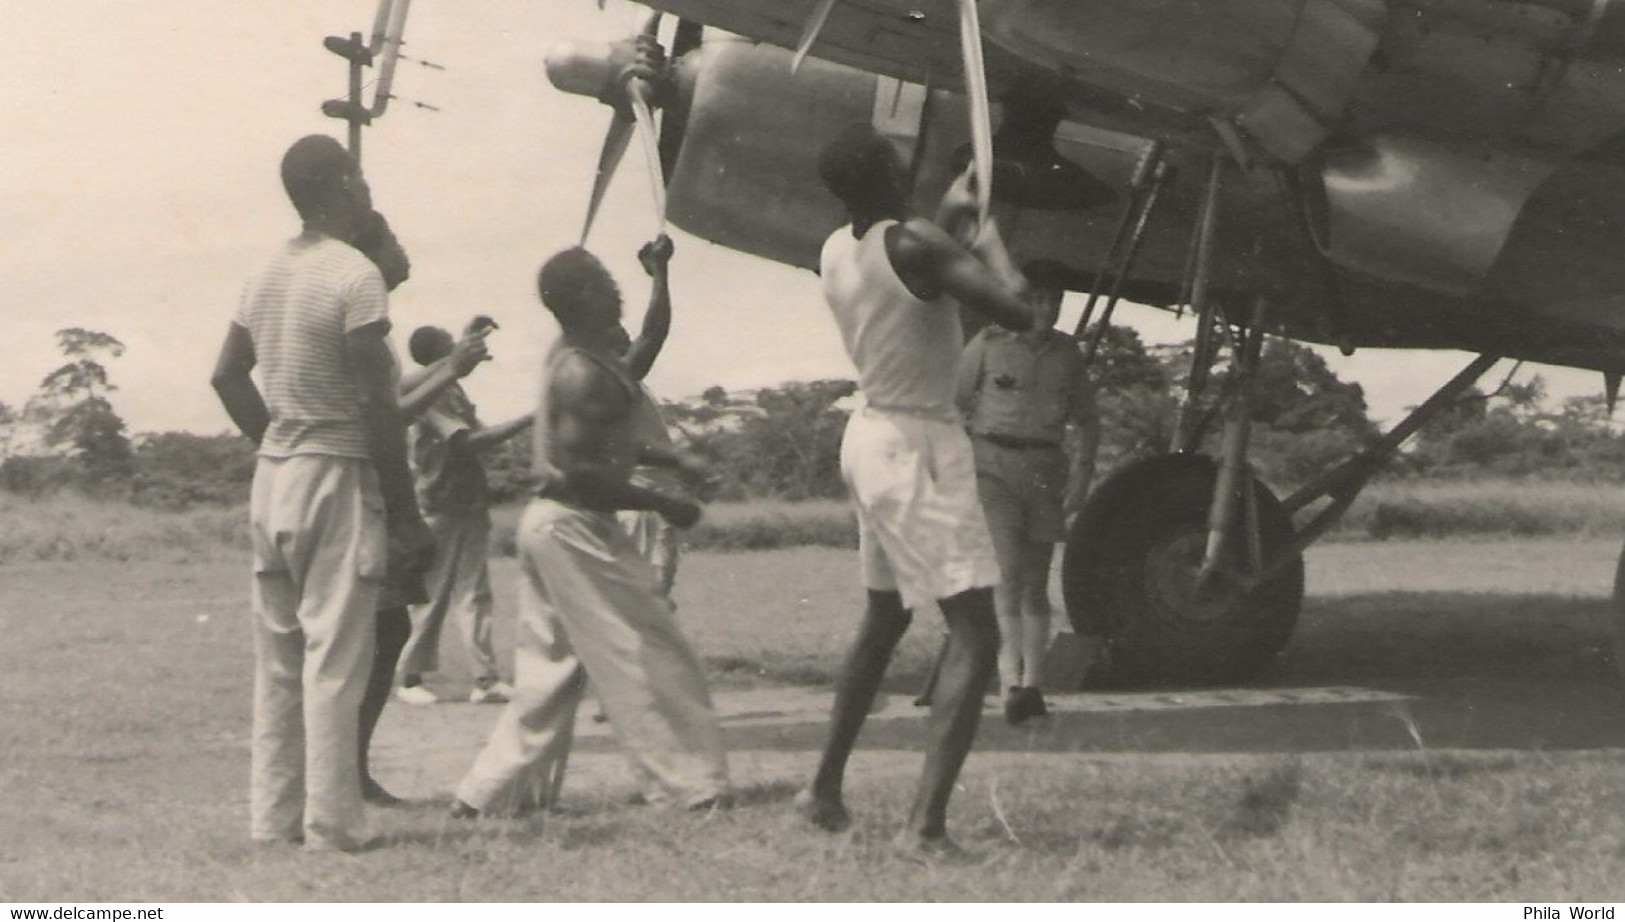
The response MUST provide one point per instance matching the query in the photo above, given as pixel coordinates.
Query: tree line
(783, 442)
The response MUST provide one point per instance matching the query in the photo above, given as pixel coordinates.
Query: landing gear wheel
(1130, 573)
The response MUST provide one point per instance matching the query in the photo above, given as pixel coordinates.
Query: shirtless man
(591, 607)
(894, 284)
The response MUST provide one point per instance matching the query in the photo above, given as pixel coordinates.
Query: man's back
(297, 310)
(905, 349)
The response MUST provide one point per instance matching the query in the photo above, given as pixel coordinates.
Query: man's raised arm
(656, 259)
(419, 388)
(923, 251)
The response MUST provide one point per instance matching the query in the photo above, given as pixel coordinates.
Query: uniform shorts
(921, 530)
(1022, 490)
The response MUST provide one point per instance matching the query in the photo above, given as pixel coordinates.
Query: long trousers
(591, 606)
(319, 553)
(459, 587)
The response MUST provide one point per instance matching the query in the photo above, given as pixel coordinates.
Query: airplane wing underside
(914, 40)
(1449, 211)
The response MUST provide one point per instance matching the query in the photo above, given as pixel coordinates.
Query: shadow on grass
(1456, 670)
(765, 794)
(1418, 639)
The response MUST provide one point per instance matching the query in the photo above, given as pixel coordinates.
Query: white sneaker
(415, 694)
(503, 688)
(492, 694)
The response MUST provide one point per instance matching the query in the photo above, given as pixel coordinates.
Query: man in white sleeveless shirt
(331, 488)
(894, 284)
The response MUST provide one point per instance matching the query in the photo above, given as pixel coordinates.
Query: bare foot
(828, 815)
(720, 801)
(911, 846)
(374, 793)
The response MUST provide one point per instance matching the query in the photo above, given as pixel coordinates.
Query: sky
(138, 189)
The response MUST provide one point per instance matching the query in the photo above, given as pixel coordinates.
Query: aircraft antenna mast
(385, 47)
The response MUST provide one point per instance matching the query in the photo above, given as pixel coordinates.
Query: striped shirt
(297, 310)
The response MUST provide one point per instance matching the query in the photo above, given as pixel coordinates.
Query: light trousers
(591, 606)
(656, 541)
(319, 554)
(459, 582)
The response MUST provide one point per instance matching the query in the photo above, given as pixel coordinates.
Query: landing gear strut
(1192, 569)
(1188, 565)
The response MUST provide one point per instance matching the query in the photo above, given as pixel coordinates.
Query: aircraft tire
(1128, 574)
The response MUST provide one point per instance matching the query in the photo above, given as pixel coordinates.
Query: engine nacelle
(747, 175)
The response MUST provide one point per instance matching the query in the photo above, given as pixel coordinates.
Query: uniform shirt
(904, 348)
(297, 310)
(618, 451)
(1014, 387)
(449, 476)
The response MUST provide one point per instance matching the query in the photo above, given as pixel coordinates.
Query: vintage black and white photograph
(1104, 451)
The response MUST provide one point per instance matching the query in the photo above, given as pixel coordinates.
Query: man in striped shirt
(331, 494)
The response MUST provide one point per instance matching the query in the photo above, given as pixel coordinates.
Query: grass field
(123, 761)
(67, 527)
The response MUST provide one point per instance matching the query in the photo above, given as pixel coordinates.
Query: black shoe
(1023, 703)
(462, 811)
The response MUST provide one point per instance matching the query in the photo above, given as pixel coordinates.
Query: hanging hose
(981, 114)
(638, 92)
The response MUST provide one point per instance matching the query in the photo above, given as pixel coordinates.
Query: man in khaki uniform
(1020, 393)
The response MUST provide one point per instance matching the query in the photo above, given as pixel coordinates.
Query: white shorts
(921, 530)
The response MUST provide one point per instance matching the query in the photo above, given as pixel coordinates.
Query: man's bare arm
(586, 401)
(1084, 437)
(235, 387)
(419, 388)
(656, 258)
(491, 436)
(367, 350)
(922, 251)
